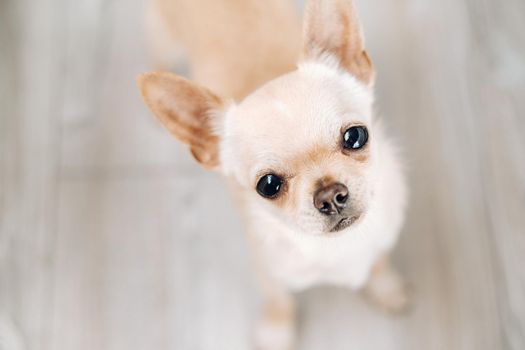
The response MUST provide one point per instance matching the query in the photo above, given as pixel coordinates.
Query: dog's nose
(331, 199)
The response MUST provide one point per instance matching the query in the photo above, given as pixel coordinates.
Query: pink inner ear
(185, 110)
(333, 27)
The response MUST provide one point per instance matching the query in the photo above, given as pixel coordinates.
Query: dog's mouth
(344, 223)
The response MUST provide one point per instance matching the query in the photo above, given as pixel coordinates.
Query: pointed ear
(187, 110)
(332, 26)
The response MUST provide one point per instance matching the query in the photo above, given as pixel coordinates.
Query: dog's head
(303, 144)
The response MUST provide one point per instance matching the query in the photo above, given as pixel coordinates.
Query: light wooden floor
(111, 237)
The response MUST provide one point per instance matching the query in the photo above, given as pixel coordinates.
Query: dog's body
(316, 177)
(226, 42)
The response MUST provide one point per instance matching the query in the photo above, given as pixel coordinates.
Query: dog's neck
(235, 51)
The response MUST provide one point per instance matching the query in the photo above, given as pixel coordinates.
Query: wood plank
(151, 264)
(30, 167)
(106, 124)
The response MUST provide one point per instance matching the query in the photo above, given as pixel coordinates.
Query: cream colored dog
(316, 176)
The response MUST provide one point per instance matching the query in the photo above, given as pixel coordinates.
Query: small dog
(318, 181)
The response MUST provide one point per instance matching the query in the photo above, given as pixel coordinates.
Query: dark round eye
(269, 185)
(355, 137)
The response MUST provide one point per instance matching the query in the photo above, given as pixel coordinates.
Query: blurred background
(103, 243)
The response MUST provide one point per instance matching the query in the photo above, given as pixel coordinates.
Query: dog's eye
(355, 137)
(269, 185)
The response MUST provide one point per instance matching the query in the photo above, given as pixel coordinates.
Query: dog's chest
(299, 264)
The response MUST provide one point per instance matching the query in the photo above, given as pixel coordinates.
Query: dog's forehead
(304, 109)
(312, 98)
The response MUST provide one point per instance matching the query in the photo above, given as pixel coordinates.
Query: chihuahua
(318, 181)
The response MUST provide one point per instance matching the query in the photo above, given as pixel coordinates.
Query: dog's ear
(332, 26)
(187, 110)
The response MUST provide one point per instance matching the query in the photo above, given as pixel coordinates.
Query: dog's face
(302, 145)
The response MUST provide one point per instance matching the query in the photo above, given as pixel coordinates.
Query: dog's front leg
(276, 326)
(385, 287)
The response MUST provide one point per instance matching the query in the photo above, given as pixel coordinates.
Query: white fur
(293, 257)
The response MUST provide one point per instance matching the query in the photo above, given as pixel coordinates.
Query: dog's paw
(276, 328)
(270, 335)
(388, 291)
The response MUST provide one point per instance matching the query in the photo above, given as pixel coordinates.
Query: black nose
(331, 199)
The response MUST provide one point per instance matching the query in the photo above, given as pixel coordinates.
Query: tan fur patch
(362, 157)
(324, 182)
(381, 264)
(221, 58)
(185, 109)
(279, 312)
(351, 50)
(337, 30)
(287, 199)
(316, 154)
